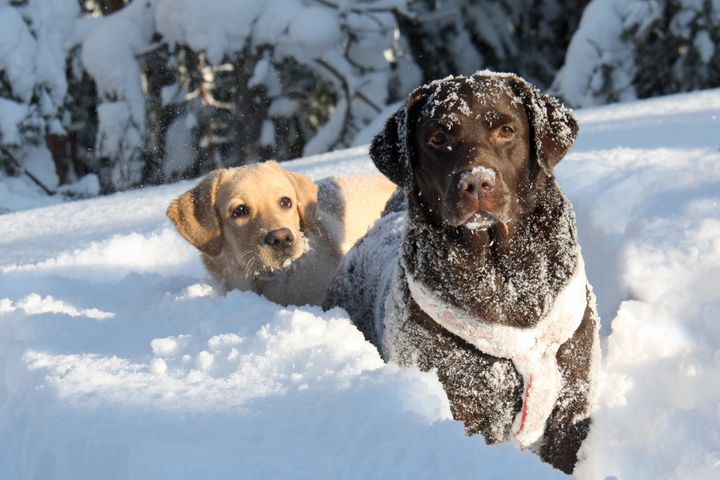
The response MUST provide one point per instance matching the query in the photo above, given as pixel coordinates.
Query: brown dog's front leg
(570, 421)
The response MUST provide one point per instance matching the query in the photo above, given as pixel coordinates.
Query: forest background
(98, 96)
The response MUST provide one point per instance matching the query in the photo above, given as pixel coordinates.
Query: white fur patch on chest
(533, 351)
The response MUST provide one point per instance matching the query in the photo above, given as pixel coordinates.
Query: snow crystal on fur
(551, 121)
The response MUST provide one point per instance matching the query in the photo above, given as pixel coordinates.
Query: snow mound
(663, 354)
(247, 386)
(211, 372)
(116, 257)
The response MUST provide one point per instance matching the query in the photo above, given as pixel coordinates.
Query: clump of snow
(215, 371)
(17, 51)
(12, 114)
(196, 291)
(33, 47)
(86, 186)
(483, 171)
(34, 304)
(705, 46)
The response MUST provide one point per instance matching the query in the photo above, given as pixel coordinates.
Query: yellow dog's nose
(280, 238)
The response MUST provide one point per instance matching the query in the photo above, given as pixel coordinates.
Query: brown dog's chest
(513, 282)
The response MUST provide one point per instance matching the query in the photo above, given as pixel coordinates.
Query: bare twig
(388, 9)
(32, 177)
(346, 87)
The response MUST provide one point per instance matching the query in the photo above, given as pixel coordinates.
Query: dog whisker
(248, 269)
(245, 253)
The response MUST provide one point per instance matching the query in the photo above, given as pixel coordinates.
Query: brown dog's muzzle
(476, 185)
(475, 196)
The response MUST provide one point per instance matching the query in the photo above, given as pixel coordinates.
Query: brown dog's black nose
(477, 183)
(280, 238)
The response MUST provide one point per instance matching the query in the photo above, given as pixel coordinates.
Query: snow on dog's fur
(482, 278)
(274, 232)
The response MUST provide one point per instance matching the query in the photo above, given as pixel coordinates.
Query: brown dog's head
(471, 150)
(255, 215)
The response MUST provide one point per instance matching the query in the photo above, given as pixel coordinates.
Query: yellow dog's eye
(285, 202)
(241, 211)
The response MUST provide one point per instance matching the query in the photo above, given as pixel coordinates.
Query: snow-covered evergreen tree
(34, 39)
(111, 47)
(186, 86)
(528, 37)
(273, 79)
(636, 49)
(677, 51)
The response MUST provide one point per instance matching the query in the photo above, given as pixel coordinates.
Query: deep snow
(120, 362)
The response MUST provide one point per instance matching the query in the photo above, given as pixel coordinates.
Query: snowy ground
(119, 362)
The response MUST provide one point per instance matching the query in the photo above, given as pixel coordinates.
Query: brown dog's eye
(285, 202)
(241, 211)
(438, 139)
(506, 131)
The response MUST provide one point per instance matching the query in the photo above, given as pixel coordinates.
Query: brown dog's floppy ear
(553, 125)
(390, 150)
(307, 193)
(387, 152)
(194, 216)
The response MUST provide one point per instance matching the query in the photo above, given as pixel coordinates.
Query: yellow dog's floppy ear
(194, 215)
(307, 193)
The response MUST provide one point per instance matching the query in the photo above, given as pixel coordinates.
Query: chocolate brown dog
(481, 276)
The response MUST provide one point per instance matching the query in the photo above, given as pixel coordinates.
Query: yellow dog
(274, 232)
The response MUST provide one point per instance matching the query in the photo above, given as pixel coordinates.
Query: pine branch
(346, 87)
(32, 177)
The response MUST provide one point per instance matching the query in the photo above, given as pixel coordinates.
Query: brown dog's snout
(280, 238)
(477, 183)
